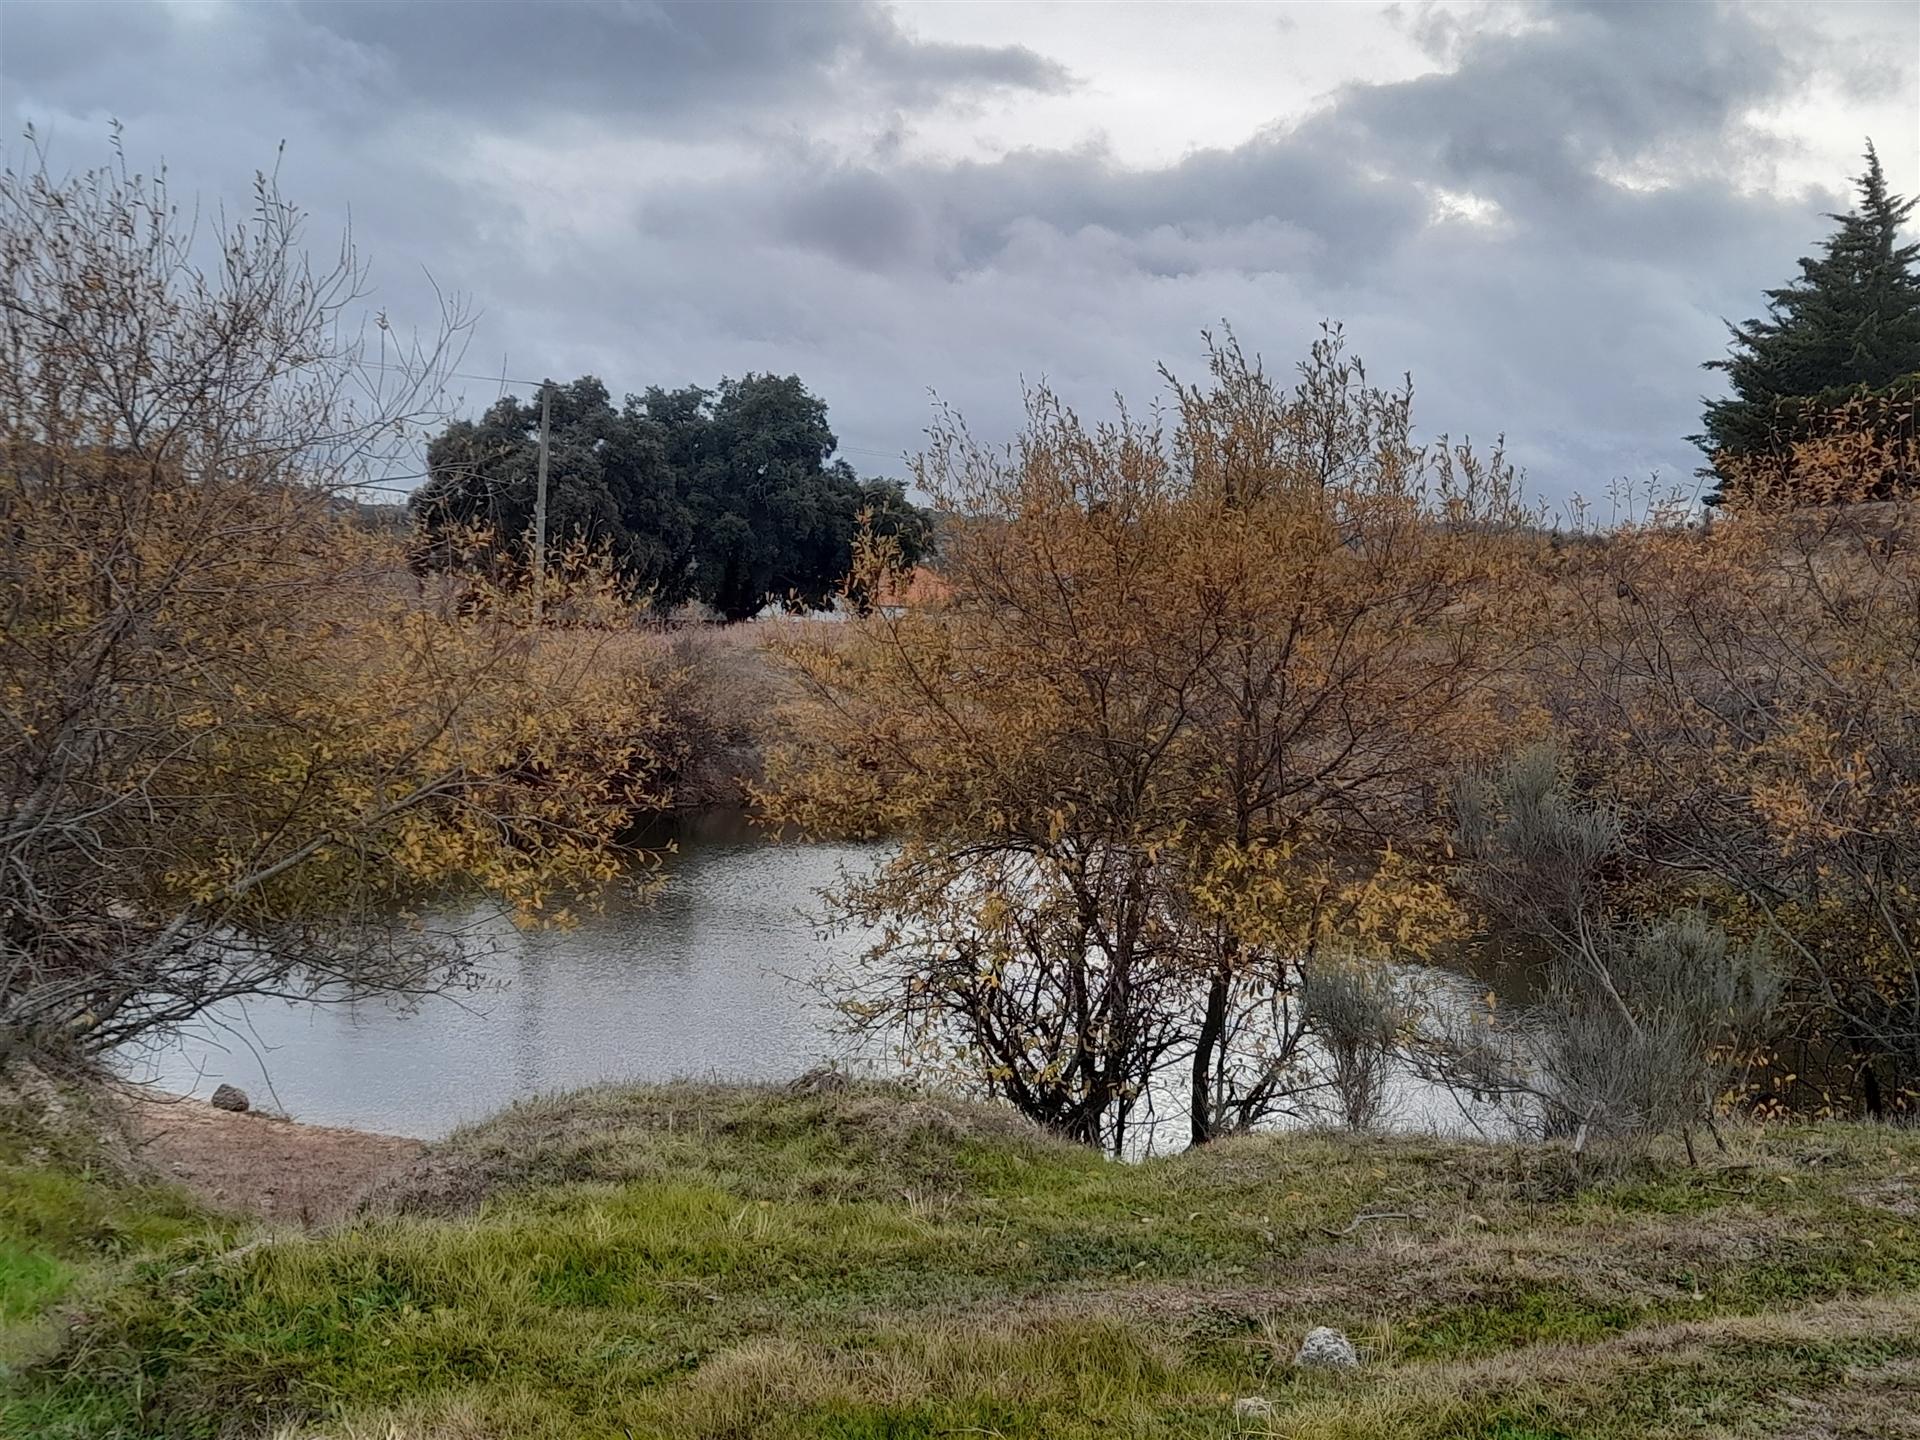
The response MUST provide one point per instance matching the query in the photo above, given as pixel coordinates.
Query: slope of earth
(858, 1262)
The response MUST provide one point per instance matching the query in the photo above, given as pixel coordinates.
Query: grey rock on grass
(1326, 1349)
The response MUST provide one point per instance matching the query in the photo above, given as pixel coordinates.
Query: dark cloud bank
(1546, 231)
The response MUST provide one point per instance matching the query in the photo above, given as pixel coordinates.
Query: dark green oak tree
(608, 483)
(729, 496)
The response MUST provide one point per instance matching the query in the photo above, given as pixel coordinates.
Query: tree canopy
(1171, 728)
(729, 496)
(232, 752)
(1846, 329)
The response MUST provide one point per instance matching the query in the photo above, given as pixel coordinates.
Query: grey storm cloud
(1522, 121)
(365, 63)
(778, 222)
(1541, 108)
(683, 62)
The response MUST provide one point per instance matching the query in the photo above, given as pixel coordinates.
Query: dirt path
(261, 1165)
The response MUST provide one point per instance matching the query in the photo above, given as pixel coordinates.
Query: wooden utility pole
(540, 510)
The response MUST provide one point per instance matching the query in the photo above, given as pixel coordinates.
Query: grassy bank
(686, 1261)
(73, 1216)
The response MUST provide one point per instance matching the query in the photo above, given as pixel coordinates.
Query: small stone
(230, 1097)
(1252, 1407)
(1326, 1349)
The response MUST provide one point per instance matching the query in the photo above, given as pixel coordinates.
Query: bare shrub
(717, 691)
(1058, 969)
(1745, 696)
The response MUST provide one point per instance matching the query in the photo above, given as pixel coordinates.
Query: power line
(422, 371)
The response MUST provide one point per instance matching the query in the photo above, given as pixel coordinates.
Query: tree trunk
(1213, 1029)
(1870, 1092)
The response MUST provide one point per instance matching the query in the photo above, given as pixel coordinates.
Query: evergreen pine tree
(1849, 325)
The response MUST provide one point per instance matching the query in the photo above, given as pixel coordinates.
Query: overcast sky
(1541, 210)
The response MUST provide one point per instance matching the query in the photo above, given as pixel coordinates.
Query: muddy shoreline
(258, 1164)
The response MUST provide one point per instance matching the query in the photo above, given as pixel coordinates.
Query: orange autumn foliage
(234, 744)
(1179, 716)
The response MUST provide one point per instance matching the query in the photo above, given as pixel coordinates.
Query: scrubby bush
(1358, 1015)
(1648, 1013)
(1174, 720)
(1743, 696)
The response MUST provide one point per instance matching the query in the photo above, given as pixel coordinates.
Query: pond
(705, 979)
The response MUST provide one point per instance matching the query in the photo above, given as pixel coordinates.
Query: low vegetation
(75, 1207)
(1171, 731)
(851, 1261)
(236, 742)
(1211, 693)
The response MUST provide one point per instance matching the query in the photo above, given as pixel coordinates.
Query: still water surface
(705, 979)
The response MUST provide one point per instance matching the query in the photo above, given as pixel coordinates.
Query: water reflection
(706, 979)
(695, 982)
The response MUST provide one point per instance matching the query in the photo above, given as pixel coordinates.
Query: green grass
(689, 1261)
(30, 1281)
(70, 1222)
